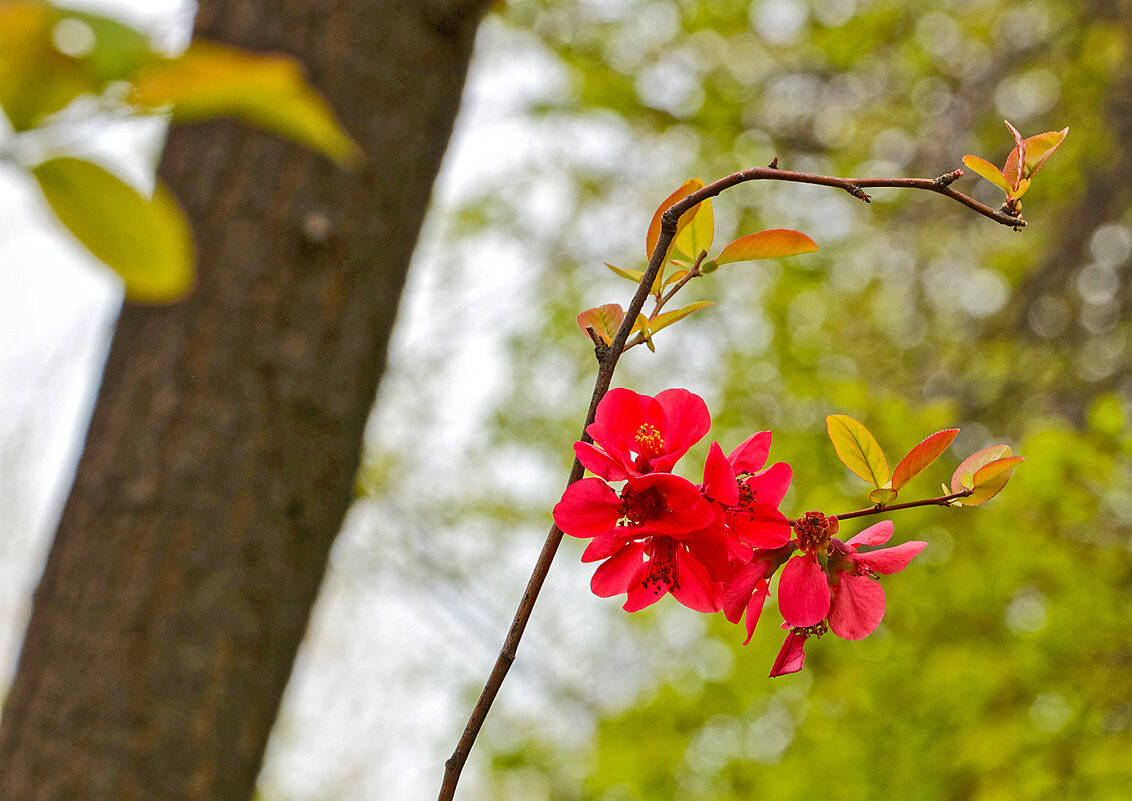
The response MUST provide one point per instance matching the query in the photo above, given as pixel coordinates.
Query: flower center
(637, 508)
(814, 531)
(661, 574)
(649, 442)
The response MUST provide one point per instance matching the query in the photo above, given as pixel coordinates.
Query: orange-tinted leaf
(670, 317)
(697, 236)
(676, 276)
(989, 171)
(633, 275)
(883, 495)
(1040, 147)
(921, 456)
(604, 320)
(990, 479)
(857, 448)
(776, 243)
(686, 188)
(964, 476)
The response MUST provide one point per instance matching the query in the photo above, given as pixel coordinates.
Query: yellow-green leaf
(633, 275)
(686, 188)
(668, 318)
(776, 243)
(697, 236)
(267, 90)
(1040, 147)
(921, 456)
(989, 171)
(990, 479)
(145, 240)
(604, 320)
(674, 277)
(964, 476)
(645, 328)
(883, 495)
(857, 448)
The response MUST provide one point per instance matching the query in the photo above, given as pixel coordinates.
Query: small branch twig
(455, 764)
(943, 500)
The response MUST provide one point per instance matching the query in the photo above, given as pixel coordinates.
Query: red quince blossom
(746, 496)
(803, 590)
(656, 536)
(636, 434)
(858, 600)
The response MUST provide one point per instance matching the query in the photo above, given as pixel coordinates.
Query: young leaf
(669, 317)
(921, 456)
(676, 276)
(686, 188)
(990, 479)
(776, 243)
(268, 90)
(989, 171)
(604, 320)
(145, 240)
(646, 331)
(633, 275)
(882, 495)
(697, 237)
(964, 476)
(857, 448)
(1040, 147)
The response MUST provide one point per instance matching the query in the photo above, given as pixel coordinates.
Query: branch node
(600, 346)
(947, 179)
(773, 163)
(858, 193)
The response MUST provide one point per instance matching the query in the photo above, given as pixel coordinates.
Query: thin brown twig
(455, 763)
(943, 500)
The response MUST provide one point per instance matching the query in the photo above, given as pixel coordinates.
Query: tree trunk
(222, 450)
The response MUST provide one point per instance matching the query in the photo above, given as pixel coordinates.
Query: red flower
(748, 500)
(858, 600)
(792, 655)
(747, 589)
(638, 434)
(803, 591)
(656, 536)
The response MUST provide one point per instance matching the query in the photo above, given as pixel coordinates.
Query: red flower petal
(755, 608)
(891, 560)
(622, 571)
(803, 592)
(751, 454)
(599, 462)
(685, 422)
(877, 534)
(737, 591)
(763, 526)
(694, 587)
(858, 607)
(719, 477)
(771, 484)
(588, 508)
(792, 656)
(604, 546)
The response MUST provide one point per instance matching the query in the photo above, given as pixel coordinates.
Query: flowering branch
(609, 350)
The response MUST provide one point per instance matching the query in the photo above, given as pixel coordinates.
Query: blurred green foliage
(1003, 669)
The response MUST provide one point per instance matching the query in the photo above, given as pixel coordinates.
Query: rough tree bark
(222, 450)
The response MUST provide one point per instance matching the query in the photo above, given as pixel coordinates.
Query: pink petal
(719, 477)
(588, 508)
(599, 462)
(771, 484)
(694, 587)
(891, 560)
(751, 453)
(622, 571)
(803, 592)
(877, 534)
(792, 656)
(858, 607)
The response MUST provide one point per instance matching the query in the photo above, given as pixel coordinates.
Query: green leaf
(145, 240)
(921, 456)
(697, 237)
(776, 243)
(604, 320)
(882, 495)
(990, 479)
(668, 318)
(686, 188)
(632, 275)
(857, 448)
(267, 90)
(643, 326)
(1040, 147)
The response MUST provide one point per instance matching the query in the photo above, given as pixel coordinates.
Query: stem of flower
(455, 764)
